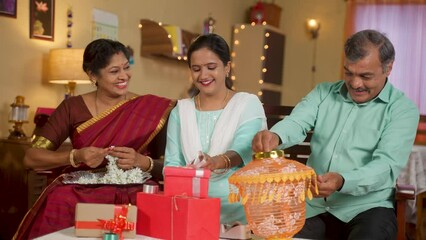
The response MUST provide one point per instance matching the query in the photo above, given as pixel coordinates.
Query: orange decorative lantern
(273, 190)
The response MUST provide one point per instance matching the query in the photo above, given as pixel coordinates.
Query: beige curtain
(404, 22)
(351, 7)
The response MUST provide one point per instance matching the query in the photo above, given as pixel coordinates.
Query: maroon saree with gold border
(131, 123)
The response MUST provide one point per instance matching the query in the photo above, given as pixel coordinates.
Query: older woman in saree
(94, 122)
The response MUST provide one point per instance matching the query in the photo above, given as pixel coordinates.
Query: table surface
(414, 174)
(68, 234)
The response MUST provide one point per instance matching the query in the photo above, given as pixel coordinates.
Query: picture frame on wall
(8, 8)
(42, 19)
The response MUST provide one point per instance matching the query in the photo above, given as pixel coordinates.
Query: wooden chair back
(421, 131)
(299, 152)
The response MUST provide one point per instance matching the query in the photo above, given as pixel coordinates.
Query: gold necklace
(198, 100)
(96, 101)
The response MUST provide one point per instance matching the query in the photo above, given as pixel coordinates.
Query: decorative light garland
(169, 36)
(262, 58)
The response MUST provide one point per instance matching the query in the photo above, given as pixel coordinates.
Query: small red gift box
(93, 220)
(178, 217)
(186, 181)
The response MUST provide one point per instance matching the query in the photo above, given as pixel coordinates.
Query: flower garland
(113, 175)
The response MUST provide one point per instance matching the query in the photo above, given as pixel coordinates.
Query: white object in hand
(200, 161)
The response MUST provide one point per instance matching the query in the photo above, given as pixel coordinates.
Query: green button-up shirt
(367, 143)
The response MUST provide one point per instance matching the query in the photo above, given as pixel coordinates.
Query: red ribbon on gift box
(116, 225)
(119, 223)
(196, 184)
(174, 208)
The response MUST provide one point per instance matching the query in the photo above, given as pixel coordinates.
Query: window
(405, 26)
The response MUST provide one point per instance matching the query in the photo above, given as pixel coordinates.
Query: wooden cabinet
(167, 41)
(13, 186)
(258, 61)
(19, 187)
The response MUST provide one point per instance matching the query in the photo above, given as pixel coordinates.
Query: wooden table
(68, 234)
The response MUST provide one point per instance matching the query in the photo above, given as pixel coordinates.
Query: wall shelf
(167, 41)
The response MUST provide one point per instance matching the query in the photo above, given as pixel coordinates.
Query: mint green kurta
(368, 144)
(241, 144)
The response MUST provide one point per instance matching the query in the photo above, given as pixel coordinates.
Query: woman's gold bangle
(227, 161)
(72, 160)
(151, 164)
(227, 165)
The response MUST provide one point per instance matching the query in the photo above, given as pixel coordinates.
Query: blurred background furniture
(13, 178)
(415, 174)
(421, 216)
(298, 152)
(301, 152)
(257, 61)
(421, 131)
(20, 187)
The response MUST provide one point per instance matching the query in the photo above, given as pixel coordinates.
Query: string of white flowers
(113, 175)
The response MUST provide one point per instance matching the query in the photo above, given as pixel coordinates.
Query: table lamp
(65, 67)
(19, 116)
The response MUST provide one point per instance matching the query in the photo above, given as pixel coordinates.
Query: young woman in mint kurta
(217, 121)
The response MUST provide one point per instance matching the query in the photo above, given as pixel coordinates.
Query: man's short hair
(357, 47)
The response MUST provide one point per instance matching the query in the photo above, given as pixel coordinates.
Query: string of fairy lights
(175, 47)
(262, 57)
(236, 43)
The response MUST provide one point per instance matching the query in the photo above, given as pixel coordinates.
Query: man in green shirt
(364, 129)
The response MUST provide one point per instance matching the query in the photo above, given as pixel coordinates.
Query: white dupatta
(223, 132)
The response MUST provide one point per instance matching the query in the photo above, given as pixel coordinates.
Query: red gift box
(186, 181)
(177, 217)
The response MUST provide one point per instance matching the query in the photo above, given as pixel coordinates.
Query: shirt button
(327, 209)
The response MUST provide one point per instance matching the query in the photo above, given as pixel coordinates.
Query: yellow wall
(299, 46)
(23, 60)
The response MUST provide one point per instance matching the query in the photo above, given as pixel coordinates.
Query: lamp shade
(65, 65)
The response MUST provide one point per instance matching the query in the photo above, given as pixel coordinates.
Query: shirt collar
(383, 96)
